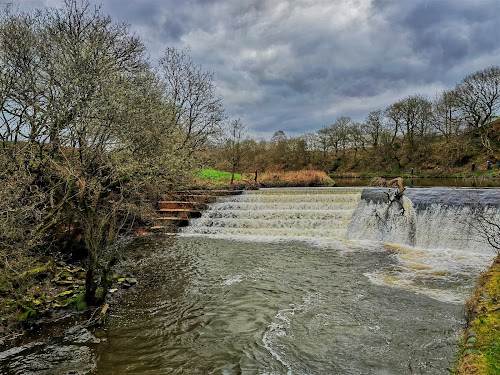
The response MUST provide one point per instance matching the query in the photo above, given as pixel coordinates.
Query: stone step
(190, 198)
(180, 213)
(178, 207)
(182, 204)
(171, 221)
(214, 193)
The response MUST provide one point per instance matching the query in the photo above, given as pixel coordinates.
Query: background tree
(195, 107)
(373, 127)
(445, 115)
(478, 96)
(234, 148)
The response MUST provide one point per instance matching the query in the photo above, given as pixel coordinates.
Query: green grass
(216, 176)
(480, 347)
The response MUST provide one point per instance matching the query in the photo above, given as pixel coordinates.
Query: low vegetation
(295, 179)
(480, 347)
(213, 175)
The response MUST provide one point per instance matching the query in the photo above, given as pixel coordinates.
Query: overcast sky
(297, 65)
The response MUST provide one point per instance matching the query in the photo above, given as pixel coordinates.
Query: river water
(298, 281)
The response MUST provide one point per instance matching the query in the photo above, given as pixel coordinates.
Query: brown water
(224, 307)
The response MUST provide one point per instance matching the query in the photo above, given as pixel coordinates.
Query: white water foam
(275, 330)
(317, 216)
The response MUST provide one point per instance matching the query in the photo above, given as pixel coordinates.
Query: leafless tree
(445, 115)
(84, 125)
(195, 106)
(373, 126)
(478, 96)
(411, 117)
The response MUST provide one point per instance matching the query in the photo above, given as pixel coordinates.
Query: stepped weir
(431, 233)
(429, 218)
(280, 214)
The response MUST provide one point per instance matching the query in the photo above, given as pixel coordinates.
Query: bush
(303, 178)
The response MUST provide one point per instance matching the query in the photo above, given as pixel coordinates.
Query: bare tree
(445, 115)
(411, 117)
(195, 108)
(485, 220)
(84, 125)
(373, 126)
(337, 134)
(356, 138)
(478, 96)
(235, 134)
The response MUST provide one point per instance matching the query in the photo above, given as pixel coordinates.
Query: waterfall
(422, 218)
(425, 218)
(280, 214)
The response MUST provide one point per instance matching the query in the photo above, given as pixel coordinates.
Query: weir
(432, 234)
(270, 214)
(437, 218)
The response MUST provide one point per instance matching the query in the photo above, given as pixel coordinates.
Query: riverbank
(49, 293)
(480, 344)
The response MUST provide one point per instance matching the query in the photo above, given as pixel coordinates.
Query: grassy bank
(480, 345)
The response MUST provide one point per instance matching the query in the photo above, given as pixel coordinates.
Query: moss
(27, 314)
(480, 348)
(78, 302)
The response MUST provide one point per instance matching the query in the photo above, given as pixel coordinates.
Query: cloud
(298, 65)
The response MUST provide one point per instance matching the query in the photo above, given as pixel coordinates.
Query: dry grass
(295, 179)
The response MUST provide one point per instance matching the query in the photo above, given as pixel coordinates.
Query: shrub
(301, 178)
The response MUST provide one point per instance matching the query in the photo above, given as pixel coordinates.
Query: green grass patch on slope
(215, 175)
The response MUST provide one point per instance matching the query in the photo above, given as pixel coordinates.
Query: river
(295, 281)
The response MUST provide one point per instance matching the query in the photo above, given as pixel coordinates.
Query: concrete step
(216, 193)
(213, 193)
(190, 198)
(178, 207)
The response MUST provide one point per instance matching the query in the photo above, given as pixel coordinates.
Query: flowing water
(292, 281)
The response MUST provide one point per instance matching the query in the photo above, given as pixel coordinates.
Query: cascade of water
(280, 213)
(425, 218)
(432, 233)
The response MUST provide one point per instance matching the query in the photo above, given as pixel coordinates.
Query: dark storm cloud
(298, 65)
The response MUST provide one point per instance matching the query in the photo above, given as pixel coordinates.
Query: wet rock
(18, 349)
(54, 359)
(80, 335)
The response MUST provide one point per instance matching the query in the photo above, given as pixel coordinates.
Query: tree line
(447, 131)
